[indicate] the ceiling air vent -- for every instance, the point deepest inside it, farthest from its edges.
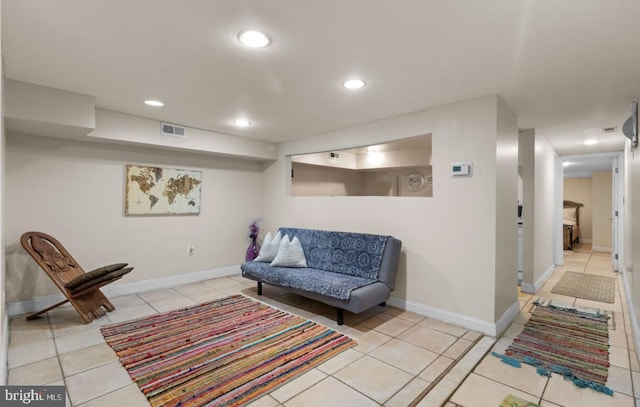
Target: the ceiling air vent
(609, 129)
(173, 130)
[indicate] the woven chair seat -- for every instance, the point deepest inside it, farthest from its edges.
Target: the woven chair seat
(97, 273)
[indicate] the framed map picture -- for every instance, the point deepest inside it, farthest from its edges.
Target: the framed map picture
(162, 191)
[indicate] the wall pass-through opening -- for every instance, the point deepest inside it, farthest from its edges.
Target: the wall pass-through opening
(397, 168)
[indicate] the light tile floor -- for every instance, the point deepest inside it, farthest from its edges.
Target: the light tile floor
(492, 380)
(399, 354)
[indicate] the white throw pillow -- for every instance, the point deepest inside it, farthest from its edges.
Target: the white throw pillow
(269, 248)
(290, 254)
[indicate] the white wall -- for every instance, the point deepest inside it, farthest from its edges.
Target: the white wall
(506, 209)
(316, 180)
(4, 334)
(545, 219)
(448, 265)
(526, 157)
(39, 110)
(538, 160)
(346, 160)
(74, 191)
(602, 193)
(631, 218)
(394, 159)
(114, 127)
(35, 109)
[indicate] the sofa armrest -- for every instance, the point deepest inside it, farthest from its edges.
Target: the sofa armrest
(389, 264)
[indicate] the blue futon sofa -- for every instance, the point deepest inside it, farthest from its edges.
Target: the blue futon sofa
(351, 271)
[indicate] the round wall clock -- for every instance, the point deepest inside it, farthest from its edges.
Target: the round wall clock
(415, 181)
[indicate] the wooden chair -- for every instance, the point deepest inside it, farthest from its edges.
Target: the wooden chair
(81, 289)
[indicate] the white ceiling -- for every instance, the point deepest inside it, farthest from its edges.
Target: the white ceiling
(583, 166)
(567, 68)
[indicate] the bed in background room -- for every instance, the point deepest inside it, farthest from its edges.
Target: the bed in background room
(570, 224)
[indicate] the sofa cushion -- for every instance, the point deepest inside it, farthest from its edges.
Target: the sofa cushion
(290, 254)
(323, 282)
(354, 254)
(269, 248)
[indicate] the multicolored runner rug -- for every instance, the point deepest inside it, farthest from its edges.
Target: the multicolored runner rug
(225, 352)
(559, 338)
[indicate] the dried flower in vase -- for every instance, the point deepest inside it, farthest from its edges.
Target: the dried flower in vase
(254, 247)
(254, 228)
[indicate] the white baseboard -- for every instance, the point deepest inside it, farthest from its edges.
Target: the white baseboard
(600, 249)
(533, 288)
(4, 365)
(506, 318)
(632, 315)
(465, 321)
(119, 289)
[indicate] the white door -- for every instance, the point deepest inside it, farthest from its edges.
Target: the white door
(614, 214)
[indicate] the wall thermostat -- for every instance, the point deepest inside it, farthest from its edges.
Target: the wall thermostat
(461, 169)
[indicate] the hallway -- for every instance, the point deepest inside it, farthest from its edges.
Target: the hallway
(492, 380)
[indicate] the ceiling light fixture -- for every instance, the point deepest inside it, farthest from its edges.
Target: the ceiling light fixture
(154, 103)
(253, 39)
(242, 123)
(354, 84)
(590, 142)
(567, 163)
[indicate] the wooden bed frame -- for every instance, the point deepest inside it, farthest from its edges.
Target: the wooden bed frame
(571, 234)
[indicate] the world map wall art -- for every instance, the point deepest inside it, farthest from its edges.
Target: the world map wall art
(162, 191)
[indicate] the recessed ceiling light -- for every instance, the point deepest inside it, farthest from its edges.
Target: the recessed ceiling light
(354, 84)
(590, 142)
(242, 122)
(154, 103)
(253, 39)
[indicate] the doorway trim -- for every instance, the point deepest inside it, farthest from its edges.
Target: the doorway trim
(617, 196)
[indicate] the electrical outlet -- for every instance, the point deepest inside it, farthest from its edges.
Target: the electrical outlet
(191, 249)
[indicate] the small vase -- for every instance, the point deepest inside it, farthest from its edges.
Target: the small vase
(253, 249)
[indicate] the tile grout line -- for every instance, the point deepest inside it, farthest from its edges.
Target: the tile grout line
(64, 376)
(442, 374)
(102, 395)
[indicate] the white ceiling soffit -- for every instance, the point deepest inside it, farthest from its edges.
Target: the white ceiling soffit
(568, 64)
(583, 166)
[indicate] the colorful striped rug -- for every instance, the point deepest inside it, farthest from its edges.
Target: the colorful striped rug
(560, 338)
(225, 352)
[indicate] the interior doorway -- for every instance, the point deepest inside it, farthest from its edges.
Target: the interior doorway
(594, 182)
